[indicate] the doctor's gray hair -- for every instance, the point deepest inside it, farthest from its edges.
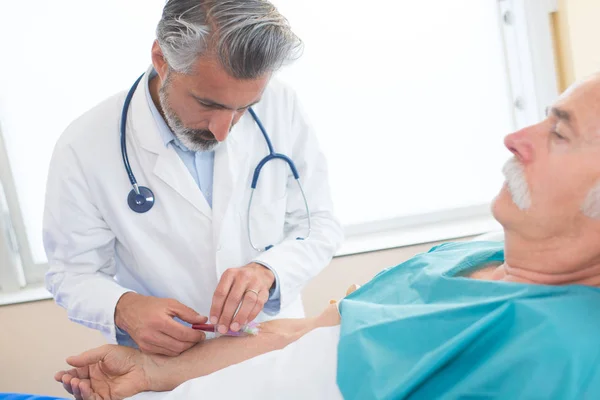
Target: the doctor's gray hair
(248, 37)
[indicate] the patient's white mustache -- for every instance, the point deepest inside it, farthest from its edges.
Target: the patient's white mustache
(517, 184)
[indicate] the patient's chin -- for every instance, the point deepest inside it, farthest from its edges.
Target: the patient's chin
(501, 196)
(503, 206)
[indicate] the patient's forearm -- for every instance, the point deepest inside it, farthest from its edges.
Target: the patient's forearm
(213, 355)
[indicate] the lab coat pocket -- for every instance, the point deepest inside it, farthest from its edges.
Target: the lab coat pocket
(266, 222)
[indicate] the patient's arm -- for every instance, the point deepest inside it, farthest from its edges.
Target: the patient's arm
(116, 372)
(213, 355)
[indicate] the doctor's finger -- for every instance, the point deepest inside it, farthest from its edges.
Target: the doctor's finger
(186, 314)
(183, 333)
(220, 296)
(177, 346)
(231, 305)
(248, 304)
(153, 348)
(263, 297)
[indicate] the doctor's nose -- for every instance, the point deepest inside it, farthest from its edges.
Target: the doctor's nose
(221, 123)
(519, 143)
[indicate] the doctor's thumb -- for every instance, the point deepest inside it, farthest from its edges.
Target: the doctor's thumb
(188, 315)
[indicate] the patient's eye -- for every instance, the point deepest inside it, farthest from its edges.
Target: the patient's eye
(555, 132)
(558, 135)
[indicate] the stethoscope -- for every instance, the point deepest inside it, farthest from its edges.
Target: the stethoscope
(141, 199)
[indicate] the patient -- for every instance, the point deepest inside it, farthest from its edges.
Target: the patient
(474, 319)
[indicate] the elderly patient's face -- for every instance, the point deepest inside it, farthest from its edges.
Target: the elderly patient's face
(556, 166)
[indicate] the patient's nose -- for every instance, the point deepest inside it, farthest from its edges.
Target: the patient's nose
(519, 144)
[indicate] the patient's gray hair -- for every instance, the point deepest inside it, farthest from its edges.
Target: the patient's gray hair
(248, 37)
(591, 205)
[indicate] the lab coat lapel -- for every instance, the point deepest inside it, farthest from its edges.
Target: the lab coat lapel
(231, 166)
(173, 172)
(168, 165)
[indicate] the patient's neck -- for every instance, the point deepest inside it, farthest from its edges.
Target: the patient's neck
(549, 261)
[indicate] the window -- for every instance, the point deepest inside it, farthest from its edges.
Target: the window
(410, 99)
(412, 105)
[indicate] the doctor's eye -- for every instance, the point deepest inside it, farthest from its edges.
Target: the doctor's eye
(208, 106)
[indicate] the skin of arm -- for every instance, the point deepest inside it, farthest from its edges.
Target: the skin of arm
(225, 351)
(117, 372)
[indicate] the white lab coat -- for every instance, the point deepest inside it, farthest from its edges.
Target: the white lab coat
(98, 248)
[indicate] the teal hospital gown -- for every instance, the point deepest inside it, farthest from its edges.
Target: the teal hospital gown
(422, 331)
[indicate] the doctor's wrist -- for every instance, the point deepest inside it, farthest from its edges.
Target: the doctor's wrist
(120, 310)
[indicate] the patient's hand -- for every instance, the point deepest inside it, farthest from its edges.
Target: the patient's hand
(107, 372)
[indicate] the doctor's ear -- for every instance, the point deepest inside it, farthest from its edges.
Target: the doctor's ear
(159, 61)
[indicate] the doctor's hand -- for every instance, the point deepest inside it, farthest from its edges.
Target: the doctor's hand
(149, 321)
(245, 287)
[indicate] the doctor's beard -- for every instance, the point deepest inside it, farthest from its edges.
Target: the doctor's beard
(517, 184)
(193, 139)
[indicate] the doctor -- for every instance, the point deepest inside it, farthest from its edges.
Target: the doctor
(150, 217)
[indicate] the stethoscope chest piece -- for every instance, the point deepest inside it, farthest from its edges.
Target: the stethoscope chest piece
(141, 202)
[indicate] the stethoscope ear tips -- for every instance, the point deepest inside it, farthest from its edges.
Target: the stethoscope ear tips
(142, 202)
